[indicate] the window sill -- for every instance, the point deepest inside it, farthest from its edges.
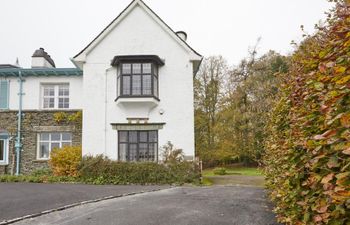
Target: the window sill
(41, 160)
(150, 100)
(4, 163)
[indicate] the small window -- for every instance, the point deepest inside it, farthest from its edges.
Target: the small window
(55, 96)
(3, 151)
(49, 141)
(4, 94)
(138, 145)
(138, 80)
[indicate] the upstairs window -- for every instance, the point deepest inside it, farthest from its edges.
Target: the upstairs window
(4, 94)
(138, 80)
(55, 96)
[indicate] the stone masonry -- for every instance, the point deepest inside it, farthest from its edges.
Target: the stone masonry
(35, 122)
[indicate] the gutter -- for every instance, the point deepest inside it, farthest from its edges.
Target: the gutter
(18, 144)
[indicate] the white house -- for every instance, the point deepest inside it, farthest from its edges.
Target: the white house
(133, 84)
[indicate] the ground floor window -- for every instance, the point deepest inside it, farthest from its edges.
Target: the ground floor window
(138, 145)
(3, 151)
(49, 141)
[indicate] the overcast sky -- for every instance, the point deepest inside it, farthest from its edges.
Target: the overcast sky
(214, 27)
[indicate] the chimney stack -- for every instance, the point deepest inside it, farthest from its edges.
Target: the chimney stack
(40, 59)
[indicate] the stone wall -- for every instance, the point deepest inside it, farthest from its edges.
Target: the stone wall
(33, 123)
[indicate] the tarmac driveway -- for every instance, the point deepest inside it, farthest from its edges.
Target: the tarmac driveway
(221, 205)
(21, 199)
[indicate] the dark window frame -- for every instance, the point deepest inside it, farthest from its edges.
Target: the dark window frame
(154, 75)
(128, 143)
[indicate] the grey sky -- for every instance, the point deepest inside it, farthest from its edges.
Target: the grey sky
(225, 27)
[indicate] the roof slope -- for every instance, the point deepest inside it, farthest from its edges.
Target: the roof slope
(80, 57)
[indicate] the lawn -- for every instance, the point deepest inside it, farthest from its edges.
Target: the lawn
(247, 171)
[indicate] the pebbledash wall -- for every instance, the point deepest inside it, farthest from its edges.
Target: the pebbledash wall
(34, 122)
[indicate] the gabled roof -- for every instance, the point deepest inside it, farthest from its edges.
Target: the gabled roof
(80, 57)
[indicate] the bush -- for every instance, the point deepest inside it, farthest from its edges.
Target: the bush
(101, 170)
(307, 152)
(171, 154)
(65, 161)
(220, 171)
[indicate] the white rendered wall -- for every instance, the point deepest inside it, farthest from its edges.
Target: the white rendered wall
(40, 62)
(137, 34)
(31, 87)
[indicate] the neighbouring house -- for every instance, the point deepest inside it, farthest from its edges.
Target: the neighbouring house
(133, 86)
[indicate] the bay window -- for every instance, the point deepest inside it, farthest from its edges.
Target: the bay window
(138, 80)
(137, 75)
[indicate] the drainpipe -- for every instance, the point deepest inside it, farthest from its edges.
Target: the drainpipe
(18, 144)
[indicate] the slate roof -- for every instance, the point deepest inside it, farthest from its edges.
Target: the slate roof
(41, 53)
(14, 72)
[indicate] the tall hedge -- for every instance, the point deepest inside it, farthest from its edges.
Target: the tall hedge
(308, 150)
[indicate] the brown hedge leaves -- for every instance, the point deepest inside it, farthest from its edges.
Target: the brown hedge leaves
(308, 150)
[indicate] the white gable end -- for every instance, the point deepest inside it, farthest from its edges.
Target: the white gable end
(141, 20)
(137, 32)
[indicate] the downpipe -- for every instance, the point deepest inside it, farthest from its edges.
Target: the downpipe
(18, 143)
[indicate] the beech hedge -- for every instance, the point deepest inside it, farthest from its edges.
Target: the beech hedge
(308, 150)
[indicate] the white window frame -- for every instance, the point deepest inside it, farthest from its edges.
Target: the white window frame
(6, 151)
(50, 141)
(56, 97)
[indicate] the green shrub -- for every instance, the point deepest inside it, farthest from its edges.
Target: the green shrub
(220, 171)
(65, 161)
(101, 170)
(42, 172)
(307, 152)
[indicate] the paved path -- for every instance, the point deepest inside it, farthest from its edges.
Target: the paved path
(216, 205)
(20, 199)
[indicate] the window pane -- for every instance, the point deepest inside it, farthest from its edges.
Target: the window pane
(153, 137)
(147, 68)
(55, 145)
(63, 103)
(152, 152)
(2, 150)
(123, 136)
(136, 85)
(133, 152)
(136, 68)
(143, 152)
(155, 86)
(49, 90)
(147, 84)
(123, 151)
(44, 150)
(49, 103)
(66, 136)
(143, 136)
(55, 137)
(132, 136)
(44, 137)
(126, 68)
(63, 90)
(126, 85)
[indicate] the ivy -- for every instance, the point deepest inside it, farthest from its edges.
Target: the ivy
(308, 148)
